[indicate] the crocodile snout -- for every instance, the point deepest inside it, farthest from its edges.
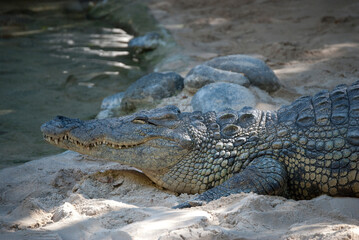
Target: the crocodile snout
(60, 125)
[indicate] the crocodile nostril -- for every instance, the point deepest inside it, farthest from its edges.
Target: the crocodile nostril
(61, 121)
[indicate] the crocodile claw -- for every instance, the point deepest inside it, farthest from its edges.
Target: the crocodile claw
(189, 204)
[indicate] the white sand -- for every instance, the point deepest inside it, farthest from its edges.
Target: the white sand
(72, 197)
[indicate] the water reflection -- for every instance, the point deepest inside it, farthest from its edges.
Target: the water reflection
(100, 52)
(56, 64)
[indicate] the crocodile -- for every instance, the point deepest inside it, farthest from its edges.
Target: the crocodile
(301, 151)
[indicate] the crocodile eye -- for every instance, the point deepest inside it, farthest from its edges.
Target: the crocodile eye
(138, 121)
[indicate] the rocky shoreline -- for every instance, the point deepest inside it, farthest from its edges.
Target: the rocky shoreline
(215, 85)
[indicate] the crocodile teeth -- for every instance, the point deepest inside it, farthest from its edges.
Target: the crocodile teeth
(89, 145)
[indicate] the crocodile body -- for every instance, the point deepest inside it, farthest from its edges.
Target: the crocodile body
(301, 151)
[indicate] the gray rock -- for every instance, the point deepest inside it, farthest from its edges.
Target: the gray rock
(110, 105)
(113, 101)
(221, 96)
(202, 75)
(149, 41)
(106, 113)
(150, 89)
(239, 69)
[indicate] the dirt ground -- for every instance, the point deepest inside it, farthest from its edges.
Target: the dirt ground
(309, 45)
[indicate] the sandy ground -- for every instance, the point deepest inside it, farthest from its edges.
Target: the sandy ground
(70, 196)
(311, 45)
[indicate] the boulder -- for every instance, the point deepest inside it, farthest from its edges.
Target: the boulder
(110, 105)
(147, 91)
(202, 75)
(239, 69)
(149, 41)
(221, 96)
(113, 101)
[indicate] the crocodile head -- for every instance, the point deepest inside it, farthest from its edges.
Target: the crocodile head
(151, 141)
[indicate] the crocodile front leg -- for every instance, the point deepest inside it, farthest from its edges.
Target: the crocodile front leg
(263, 176)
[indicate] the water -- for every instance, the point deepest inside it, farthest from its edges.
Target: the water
(54, 63)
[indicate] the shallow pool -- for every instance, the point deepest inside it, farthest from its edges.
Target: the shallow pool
(55, 61)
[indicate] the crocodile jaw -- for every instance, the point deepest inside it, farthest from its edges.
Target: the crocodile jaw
(148, 147)
(150, 155)
(68, 142)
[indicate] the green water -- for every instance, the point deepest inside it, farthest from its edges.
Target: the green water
(54, 63)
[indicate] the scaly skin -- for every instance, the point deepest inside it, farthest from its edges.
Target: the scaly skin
(301, 151)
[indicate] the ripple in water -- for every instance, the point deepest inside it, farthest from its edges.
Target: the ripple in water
(55, 64)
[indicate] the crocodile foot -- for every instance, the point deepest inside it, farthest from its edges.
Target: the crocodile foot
(189, 204)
